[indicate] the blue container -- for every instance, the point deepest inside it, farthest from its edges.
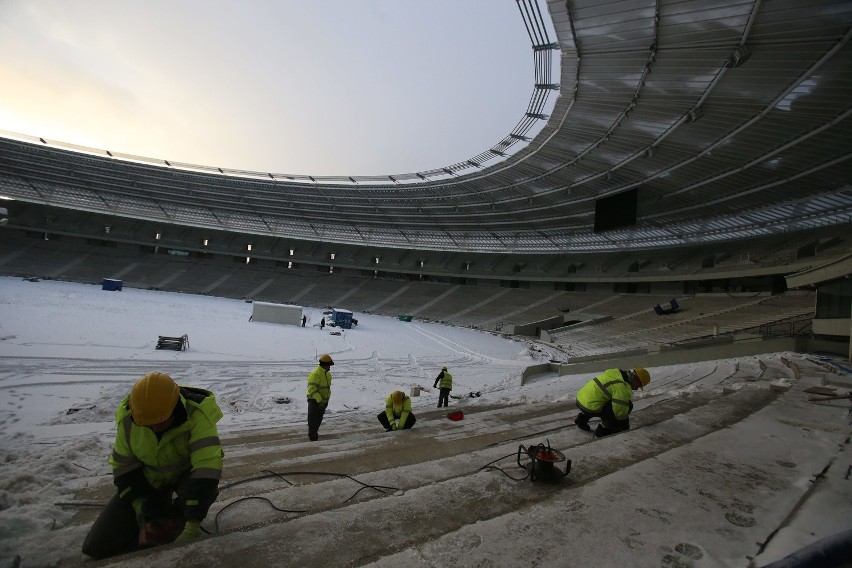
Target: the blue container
(110, 284)
(342, 318)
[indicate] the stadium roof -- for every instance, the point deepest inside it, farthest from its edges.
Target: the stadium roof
(730, 118)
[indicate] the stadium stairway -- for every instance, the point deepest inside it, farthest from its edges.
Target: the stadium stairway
(452, 494)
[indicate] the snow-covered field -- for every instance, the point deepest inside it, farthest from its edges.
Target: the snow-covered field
(70, 352)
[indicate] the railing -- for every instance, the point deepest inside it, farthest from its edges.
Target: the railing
(788, 327)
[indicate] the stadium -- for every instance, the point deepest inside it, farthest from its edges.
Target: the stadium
(675, 193)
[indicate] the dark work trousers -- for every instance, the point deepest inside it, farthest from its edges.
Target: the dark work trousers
(116, 529)
(409, 422)
(444, 398)
(315, 413)
(609, 423)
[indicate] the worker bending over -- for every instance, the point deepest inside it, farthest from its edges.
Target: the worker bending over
(397, 414)
(607, 396)
(166, 446)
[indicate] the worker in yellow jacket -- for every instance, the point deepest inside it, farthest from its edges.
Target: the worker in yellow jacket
(166, 445)
(319, 393)
(397, 414)
(607, 396)
(444, 382)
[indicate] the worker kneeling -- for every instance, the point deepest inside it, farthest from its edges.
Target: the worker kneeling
(607, 396)
(397, 414)
(166, 445)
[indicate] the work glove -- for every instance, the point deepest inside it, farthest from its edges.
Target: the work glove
(393, 426)
(191, 530)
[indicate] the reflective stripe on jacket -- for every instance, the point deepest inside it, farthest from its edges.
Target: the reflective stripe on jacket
(191, 447)
(445, 380)
(400, 411)
(319, 385)
(609, 386)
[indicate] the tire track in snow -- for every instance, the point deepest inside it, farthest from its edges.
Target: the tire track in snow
(469, 356)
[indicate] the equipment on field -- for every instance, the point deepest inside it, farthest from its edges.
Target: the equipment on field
(111, 284)
(174, 343)
(341, 318)
(456, 415)
(542, 462)
(670, 308)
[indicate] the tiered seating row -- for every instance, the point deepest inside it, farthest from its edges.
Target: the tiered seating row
(631, 322)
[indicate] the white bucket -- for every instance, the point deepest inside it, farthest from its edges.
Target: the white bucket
(415, 391)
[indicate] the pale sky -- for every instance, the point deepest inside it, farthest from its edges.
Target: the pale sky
(319, 87)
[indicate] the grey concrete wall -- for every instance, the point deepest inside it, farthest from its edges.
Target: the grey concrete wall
(670, 289)
(530, 328)
(743, 347)
(837, 326)
(537, 370)
(600, 287)
(587, 319)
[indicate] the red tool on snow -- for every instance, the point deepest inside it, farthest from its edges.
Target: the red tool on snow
(542, 462)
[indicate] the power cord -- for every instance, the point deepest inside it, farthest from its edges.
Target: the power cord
(490, 465)
(380, 488)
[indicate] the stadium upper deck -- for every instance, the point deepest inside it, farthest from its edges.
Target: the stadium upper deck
(730, 119)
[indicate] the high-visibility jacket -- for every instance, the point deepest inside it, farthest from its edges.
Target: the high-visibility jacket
(319, 385)
(444, 380)
(142, 463)
(610, 386)
(398, 411)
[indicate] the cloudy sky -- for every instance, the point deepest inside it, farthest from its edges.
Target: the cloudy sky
(327, 87)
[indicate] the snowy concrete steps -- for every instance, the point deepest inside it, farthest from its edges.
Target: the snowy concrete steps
(435, 497)
(493, 421)
(714, 505)
(354, 442)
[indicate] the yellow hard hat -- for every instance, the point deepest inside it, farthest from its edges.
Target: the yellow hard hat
(326, 358)
(397, 397)
(153, 398)
(643, 375)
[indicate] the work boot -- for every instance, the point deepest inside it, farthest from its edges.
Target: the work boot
(582, 422)
(600, 431)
